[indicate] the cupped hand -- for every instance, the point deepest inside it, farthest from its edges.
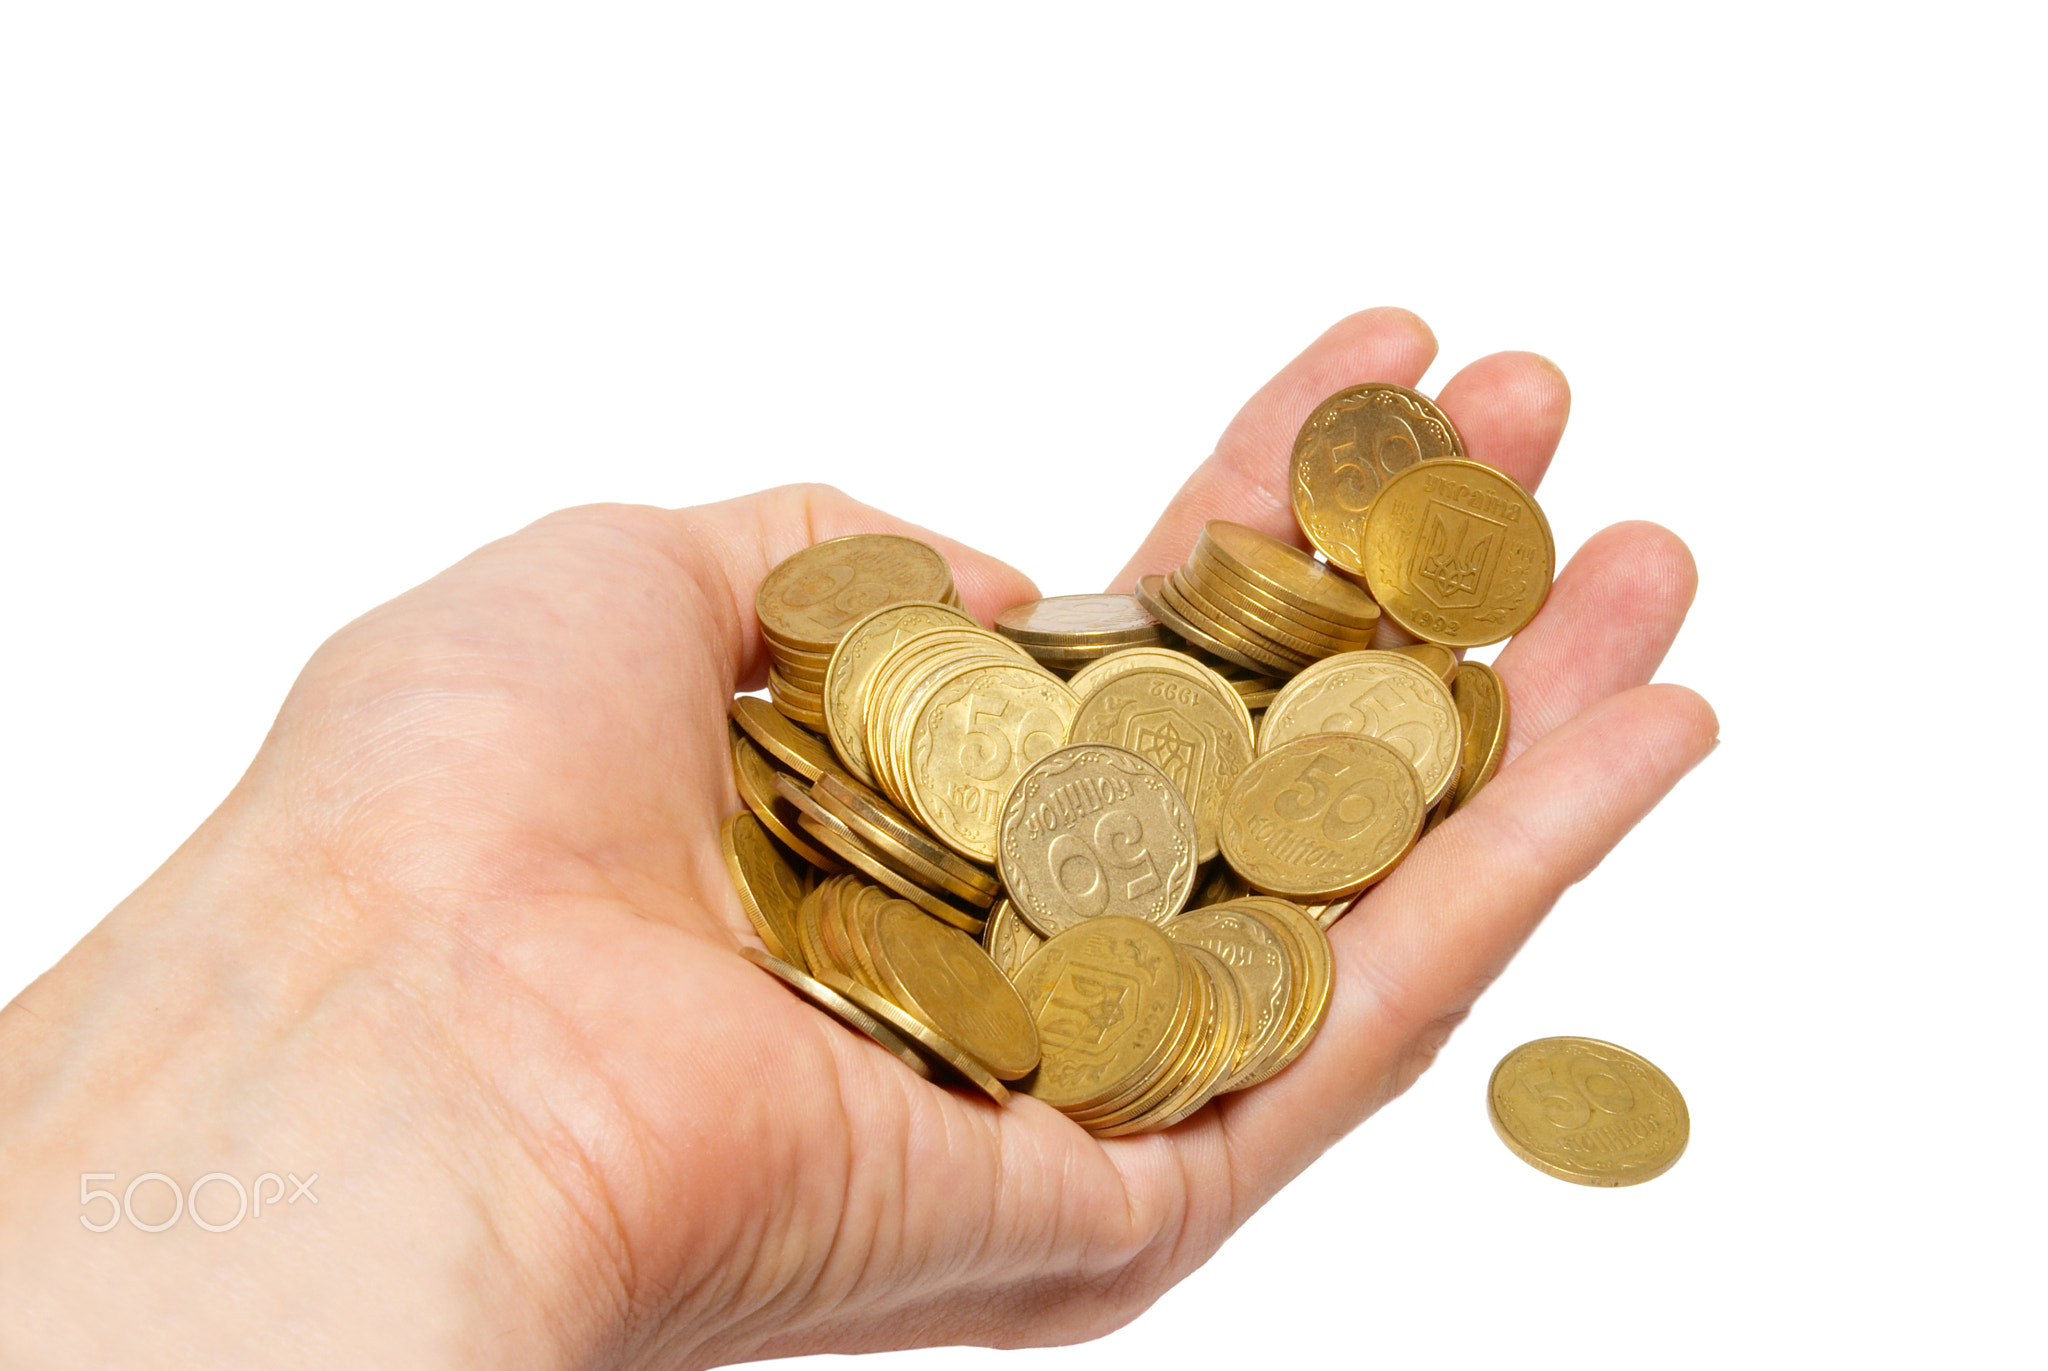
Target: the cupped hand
(491, 914)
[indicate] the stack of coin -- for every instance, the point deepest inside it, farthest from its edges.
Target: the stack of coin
(793, 748)
(1452, 734)
(869, 834)
(861, 650)
(1141, 1024)
(770, 885)
(1254, 688)
(809, 600)
(926, 992)
(948, 720)
(755, 776)
(1066, 632)
(1482, 700)
(1385, 695)
(1266, 605)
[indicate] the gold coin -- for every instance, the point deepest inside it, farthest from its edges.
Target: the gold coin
(1079, 621)
(1322, 816)
(1249, 604)
(879, 863)
(820, 824)
(1261, 960)
(770, 888)
(1186, 1039)
(839, 1007)
(811, 597)
(1587, 1111)
(1063, 662)
(1324, 915)
(831, 938)
(1247, 636)
(1435, 656)
(1247, 683)
(889, 831)
(1379, 695)
(1181, 717)
(795, 748)
(1205, 1068)
(858, 915)
(849, 932)
(1194, 1046)
(1191, 1039)
(754, 778)
(971, 739)
(1008, 940)
(1065, 659)
(1211, 1070)
(1104, 995)
(1093, 830)
(942, 976)
(866, 644)
(1315, 974)
(1482, 700)
(1260, 699)
(903, 680)
(1151, 593)
(1254, 621)
(1217, 640)
(1283, 572)
(934, 1043)
(802, 661)
(1349, 449)
(809, 917)
(1457, 553)
(805, 672)
(901, 695)
(782, 686)
(794, 703)
(1097, 674)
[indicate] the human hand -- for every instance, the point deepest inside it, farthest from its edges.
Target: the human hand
(463, 935)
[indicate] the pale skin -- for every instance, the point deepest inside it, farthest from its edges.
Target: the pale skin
(462, 942)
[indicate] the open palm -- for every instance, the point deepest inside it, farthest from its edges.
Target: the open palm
(520, 770)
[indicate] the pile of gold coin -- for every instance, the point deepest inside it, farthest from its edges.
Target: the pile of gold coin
(1148, 809)
(809, 600)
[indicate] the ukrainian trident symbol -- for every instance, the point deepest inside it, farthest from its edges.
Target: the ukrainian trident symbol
(1455, 556)
(1086, 1006)
(1158, 739)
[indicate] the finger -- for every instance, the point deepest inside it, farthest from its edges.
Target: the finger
(1510, 408)
(1417, 952)
(1245, 479)
(1610, 618)
(747, 537)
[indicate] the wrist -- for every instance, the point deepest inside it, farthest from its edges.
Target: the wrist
(244, 1018)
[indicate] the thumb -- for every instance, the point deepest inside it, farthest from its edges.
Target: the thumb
(741, 540)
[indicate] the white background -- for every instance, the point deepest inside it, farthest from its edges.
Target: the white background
(297, 307)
